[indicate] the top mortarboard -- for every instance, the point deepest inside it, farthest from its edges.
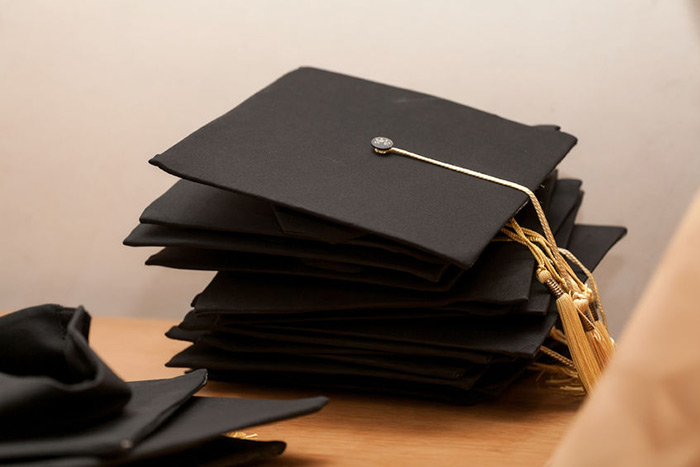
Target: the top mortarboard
(303, 142)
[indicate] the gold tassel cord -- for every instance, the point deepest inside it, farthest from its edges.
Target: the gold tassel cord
(559, 261)
(558, 336)
(559, 357)
(579, 306)
(560, 378)
(604, 344)
(582, 352)
(594, 287)
(240, 435)
(580, 297)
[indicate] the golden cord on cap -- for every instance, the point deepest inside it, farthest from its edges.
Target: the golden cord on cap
(579, 306)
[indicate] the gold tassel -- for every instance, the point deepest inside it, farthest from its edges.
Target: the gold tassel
(596, 340)
(240, 435)
(559, 377)
(603, 344)
(581, 351)
(579, 306)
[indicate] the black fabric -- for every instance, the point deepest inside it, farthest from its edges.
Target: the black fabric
(61, 405)
(226, 346)
(593, 234)
(218, 260)
(50, 379)
(151, 403)
(339, 267)
(248, 294)
(491, 382)
(331, 315)
(296, 224)
(313, 125)
(503, 276)
(513, 335)
(156, 235)
(239, 347)
(500, 261)
(193, 205)
(196, 320)
(200, 355)
(332, 344)
(206, 258)
(204, 419)
(189, 205)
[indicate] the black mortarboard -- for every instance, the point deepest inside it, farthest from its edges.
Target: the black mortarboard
(302, 143)
(61, 405)
(346, 266)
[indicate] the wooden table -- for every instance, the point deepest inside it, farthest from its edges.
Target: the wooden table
(522, 427)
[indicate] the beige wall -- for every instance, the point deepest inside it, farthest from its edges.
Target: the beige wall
(89, 90)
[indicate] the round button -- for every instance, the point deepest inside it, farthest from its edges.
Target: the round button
(382, 143)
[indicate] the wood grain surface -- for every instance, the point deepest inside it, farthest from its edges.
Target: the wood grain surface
(522, 427)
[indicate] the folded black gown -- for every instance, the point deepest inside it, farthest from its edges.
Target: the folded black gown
(340, 267)
(61, 405)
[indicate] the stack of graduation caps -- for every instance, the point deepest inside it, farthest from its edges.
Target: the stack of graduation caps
(342, 268)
